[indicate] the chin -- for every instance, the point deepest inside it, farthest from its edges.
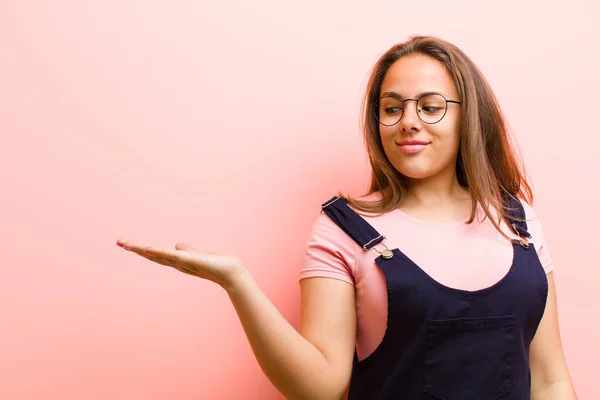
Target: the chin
(416, 175)
(416, 172)
(421, 168)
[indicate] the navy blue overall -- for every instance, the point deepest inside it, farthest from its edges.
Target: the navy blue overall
(446, 343)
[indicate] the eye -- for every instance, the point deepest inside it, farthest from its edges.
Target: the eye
(392, 110)
(432, 109)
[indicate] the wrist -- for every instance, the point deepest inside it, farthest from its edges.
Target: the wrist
(237, 280)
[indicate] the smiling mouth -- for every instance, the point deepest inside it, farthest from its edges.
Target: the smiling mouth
(412, 147)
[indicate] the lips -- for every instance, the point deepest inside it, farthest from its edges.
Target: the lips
(412, 146)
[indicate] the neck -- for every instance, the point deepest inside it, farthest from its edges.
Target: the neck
(437, 191)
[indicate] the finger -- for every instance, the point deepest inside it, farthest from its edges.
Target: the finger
(127, 245)
(179, 259)
(158, 257)
(170, 263)
(121, 242)
(182, 267)
(162, 252)
(185, 246)
(174, 258)
(140, 250)
(145, 249)
(136, 248)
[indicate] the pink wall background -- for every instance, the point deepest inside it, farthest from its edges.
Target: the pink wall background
(226, 124)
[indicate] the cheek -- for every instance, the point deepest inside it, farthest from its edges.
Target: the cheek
(385, 133)
(449, 141)
(387, 137)
(451, 130)
(447, 137)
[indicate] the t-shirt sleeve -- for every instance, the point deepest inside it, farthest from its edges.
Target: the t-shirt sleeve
(330, 252)
(534, 226)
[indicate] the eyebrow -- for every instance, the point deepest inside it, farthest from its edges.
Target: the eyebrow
(399, 97)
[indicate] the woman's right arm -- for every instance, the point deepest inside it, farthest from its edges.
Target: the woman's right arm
(314, 362)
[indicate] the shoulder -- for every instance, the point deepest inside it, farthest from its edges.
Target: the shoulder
(529, 211)
(531, 218)
(329, 252)
(327, 234)
(534, 225)
(535, 229)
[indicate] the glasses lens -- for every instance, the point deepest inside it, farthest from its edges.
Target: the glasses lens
(390, 111)
(432, 108)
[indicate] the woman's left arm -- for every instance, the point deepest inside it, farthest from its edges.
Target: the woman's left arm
(550, 378)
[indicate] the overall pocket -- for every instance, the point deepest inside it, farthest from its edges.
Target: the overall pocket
(469, 358)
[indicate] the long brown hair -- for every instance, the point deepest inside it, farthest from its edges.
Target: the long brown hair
(486, 163)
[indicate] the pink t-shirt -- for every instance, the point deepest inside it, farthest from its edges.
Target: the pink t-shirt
(458, 255)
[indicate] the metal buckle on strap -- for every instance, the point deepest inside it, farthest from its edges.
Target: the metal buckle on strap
(372, 240)
(331, 202)
(516, 230)
(521, 242)
(386, 253)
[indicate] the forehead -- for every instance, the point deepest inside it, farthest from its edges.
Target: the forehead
(415, 74)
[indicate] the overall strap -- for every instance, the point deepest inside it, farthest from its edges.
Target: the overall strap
(350, 222)
(515, 217)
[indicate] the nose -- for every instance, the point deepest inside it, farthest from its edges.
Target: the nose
(410, 120)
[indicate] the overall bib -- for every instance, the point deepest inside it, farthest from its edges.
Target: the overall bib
(445, 343)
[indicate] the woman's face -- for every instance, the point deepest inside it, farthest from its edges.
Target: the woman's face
(416, 149)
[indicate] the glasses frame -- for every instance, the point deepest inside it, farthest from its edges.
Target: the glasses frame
(376, 104)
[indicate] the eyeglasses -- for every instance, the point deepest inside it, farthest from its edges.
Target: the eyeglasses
(431, 108)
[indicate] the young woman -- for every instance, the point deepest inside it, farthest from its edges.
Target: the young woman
(437, 283)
